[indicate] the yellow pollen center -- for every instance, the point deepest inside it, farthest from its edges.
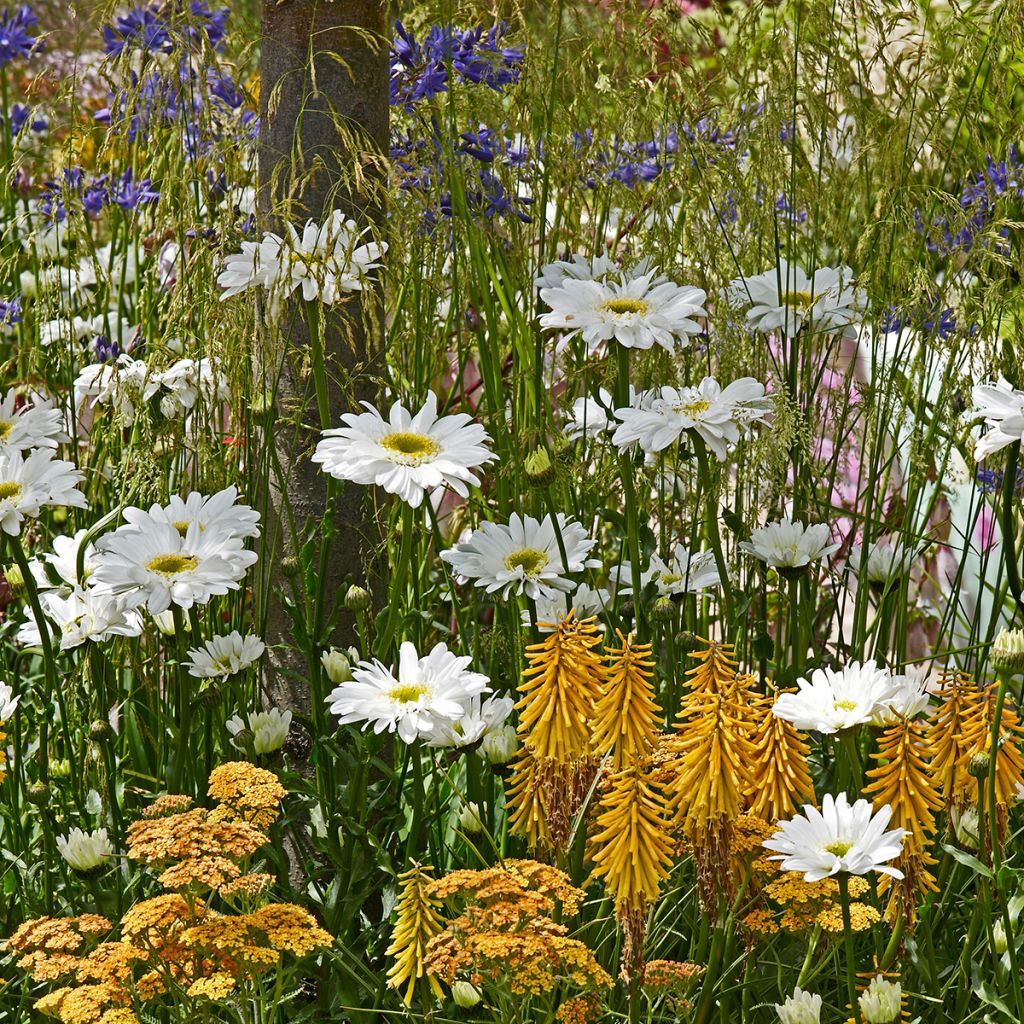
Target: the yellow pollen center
(410, 449)
(623, 307)
(171, 565)
(529, 560)
(6, 426)
(668, 578)
(408, 694)
(181, 526)
(844, 705)
(9, 489)
(694, 409)
(840, 848)
(799, 300)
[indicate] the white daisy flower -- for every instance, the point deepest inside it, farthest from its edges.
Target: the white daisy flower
(683, 574)
(125, 385)
(152, 564)
(637, 312)
(832, 701)
(8, 702)
(578, 268)
(882, 1001)
(269, 729)
(480, 718)
(522, 557)
(719, 416)
(186, 381)
(838, 838)
(585, 601)
(426, 691)
(800, 1008)
(85, 851)
(63, 559)
(30, 484)
(590, 417)
(789, 545)
(325, 261)
(910, 697)
(887, 560)
(1001, 407)
(408, 455)
(785, 298)
(31, 425)
(81, 616)
(223, 656)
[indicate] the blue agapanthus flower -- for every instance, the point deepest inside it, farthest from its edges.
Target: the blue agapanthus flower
(161, 27)
(129, 194)
(16, 39)
(10, 311)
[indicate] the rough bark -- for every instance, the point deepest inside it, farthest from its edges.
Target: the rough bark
(324, 109)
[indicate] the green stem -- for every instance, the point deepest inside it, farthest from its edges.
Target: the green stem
(712, 531)
(399, 576)
(851, 961)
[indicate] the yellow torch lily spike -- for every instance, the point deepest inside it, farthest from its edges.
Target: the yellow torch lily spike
(418, 922)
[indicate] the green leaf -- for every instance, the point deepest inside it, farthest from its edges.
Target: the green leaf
(968, 861)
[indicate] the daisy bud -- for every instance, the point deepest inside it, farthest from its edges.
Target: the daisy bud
(663, 610)
(881, 1003)
(977, 767)
(101, 730)
(15, 581)
(357, 599)
(466, 996)
(290, 566)
(800, 1008)
(966, 825)
(999, 943)
(469, 818)
(539, 468)
(38, 794)
(499, 745)
(337, 666)
(687, 642)
(1008, 651)
(85, 851)
(60, 769)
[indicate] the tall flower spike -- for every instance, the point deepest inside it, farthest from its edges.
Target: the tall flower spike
(780, 779)
(717, 670)
(626, 716)
(904, 781)
(954, 732)
(527, 815)
(560, 689)
(1009, 762)
(418, 922)
(632, 854)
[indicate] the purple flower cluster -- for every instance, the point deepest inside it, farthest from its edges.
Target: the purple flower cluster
(930, 319)
(22, 116)
(16, 39)
(991, 480)
(95, 194)
(475, 56)
(164, 27)
(10, 311)
(978, 201)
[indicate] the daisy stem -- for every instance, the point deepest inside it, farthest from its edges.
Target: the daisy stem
(713, 534)
(629, 493)
(184, 710)
(1008, 524)
(851, 962)
(399, 575)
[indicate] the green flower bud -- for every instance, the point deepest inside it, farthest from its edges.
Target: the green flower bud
(38, 793)
(15, 580)
(358, 599)
(540, 470)
(466, 996)
(1008, 651)
(337, 665)
(977, 767)
(663, 610)
(100, 730)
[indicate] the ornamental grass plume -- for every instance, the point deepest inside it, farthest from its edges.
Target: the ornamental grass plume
(904, 780)
(626, 716)
(418, 922)
(780, 780)
(631, 850)
(955, 729)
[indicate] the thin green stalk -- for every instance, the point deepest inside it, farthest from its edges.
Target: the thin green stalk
(851, 961)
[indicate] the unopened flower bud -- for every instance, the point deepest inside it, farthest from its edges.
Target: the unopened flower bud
(59, 515)
(663, 609)
(540, 470)
(499, 745)
(15, 580)
(38, 793)
(357, 599)
(290, 566)
(977, 767)
(687, 641)
(85, 852)
(1008, 651)
(466, 996)
(101, 730)
(60, 769)
(469, 818)
(999, 943)
(337, 665)
(881, 1003)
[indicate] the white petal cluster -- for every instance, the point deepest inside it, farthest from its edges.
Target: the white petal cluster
(787, 544)
(8, 702)
(1000, 406)
(684, 573)
(800, 1008)
(784, 298)
(720, 416)
(481, 717)
(831, 701)
(269, 729)
(887, 560)
(407, 454)
(224, 656)
(838, 838)
(585, 601)
(426, 695)
(882, 1001)
(33, 482)
(25, 425)
(523, 557)
(85, 851)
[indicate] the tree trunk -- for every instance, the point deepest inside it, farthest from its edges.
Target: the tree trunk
(324, 129)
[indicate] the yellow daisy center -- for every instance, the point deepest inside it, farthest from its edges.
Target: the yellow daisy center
(530, 560)
(840, 848)
(694, 409)
(624, 306)
(845, 705)
(410, 449)
(181, 526)
(9, 489)
(6, 426)
(408, 694)
(668, 578)
(799, 300)
(172, 565)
